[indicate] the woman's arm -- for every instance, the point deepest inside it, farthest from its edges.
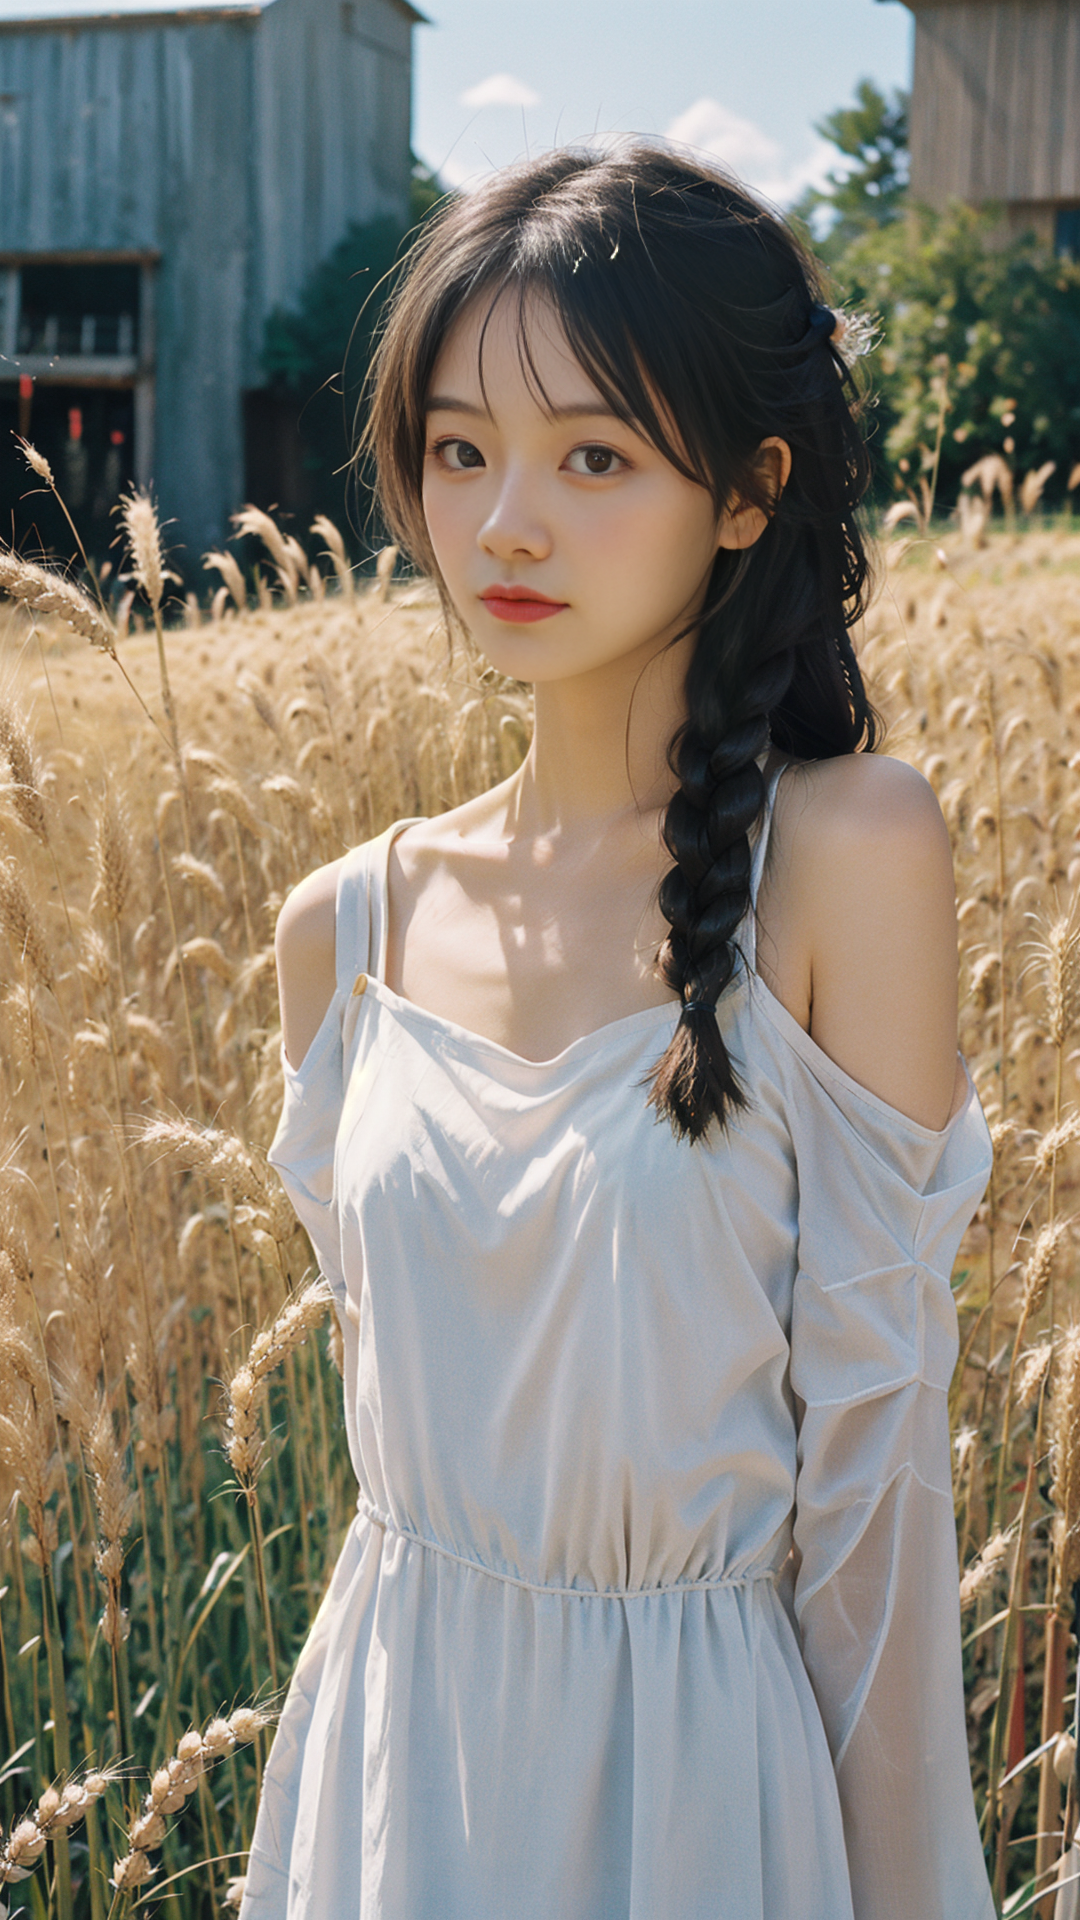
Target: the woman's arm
(868, 901)
(304, 950)
(874, 1343)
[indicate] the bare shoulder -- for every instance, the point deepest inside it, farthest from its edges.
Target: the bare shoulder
(858, 838)
(864, 868)
(859, 798)
(304, 942)
(863, 835)
(304, 950)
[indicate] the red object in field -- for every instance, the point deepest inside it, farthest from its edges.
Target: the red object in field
(74, 423)
(26, 386)
(116, 437)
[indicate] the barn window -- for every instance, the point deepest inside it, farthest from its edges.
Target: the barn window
(79, 310)
(1067, 232)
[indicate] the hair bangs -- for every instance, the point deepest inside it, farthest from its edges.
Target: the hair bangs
(590, 311)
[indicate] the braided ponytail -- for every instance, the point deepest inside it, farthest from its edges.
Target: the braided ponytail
(742, 697)
(705, 895)
(698, 317)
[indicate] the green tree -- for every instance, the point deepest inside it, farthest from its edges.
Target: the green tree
(871, 190)
(316, 355)
(327, 335)
(969, 320)
(992, 325)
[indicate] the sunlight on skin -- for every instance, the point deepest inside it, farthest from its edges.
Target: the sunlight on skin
(604, 525)
(529, 914)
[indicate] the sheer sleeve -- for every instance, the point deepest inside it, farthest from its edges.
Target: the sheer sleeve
(304, 1147)
(305, 1143)
(883, 1205)
(302, 1150)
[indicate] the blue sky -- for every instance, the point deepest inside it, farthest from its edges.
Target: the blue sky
(743, 79)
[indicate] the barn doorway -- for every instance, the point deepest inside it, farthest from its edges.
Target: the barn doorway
(87, 434)
(76, 332)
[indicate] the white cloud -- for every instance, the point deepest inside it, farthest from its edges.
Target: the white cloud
(753, 155)
(711, 128)
(500, 90)
(810, 172)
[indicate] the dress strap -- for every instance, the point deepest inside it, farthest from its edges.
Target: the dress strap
(757, 866)
(361, 925)
(352, 918)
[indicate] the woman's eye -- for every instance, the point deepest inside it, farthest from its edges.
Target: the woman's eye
(459, 455)
(599, 460)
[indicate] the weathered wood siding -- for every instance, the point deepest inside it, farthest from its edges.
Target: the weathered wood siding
(332, 133)
(236, 148)
(138, 136)
(996, 101)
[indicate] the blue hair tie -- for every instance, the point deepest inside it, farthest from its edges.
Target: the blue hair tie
(699, 1006)
(823, 323)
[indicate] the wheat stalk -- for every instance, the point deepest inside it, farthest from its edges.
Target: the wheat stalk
(1064, 1434)
(223, 1157)
(112, 858)
(59, 1809)
(986, 1564)
(17, 748)
(335, 546)
(140, 522)
(114, 1504)
(146, 558)
(20, 923)
(173, 1784)
(247, 1388)
(45, 592)
(227, 565)
(290, 560)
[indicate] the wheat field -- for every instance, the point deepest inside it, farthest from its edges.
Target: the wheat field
(172, 1467)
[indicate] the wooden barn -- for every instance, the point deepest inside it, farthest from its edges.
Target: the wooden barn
(170, 172)
(995, 111)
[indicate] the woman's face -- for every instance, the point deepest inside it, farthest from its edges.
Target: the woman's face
(577, 508)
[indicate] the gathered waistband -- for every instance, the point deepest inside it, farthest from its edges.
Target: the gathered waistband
(383, 1521)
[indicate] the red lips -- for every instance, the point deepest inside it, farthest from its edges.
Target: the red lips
(519, 604)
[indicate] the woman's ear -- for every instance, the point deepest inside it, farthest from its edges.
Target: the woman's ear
(739, 527)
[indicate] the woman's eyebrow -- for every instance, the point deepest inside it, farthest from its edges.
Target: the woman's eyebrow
(581, 409)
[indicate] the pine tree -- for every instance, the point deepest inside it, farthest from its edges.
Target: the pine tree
(871, 191)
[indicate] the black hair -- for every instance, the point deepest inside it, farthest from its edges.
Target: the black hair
(683, 299)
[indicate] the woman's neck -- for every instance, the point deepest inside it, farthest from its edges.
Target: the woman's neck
(600, 745)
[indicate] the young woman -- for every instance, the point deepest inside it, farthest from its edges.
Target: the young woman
(624, 1110)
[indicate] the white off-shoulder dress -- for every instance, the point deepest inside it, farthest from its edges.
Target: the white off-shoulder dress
(650, 1607)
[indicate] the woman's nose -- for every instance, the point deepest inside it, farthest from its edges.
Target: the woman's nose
(514, 524)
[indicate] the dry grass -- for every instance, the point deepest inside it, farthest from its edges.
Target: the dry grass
(171, 1430)
(973, 651)
(170, 1538)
